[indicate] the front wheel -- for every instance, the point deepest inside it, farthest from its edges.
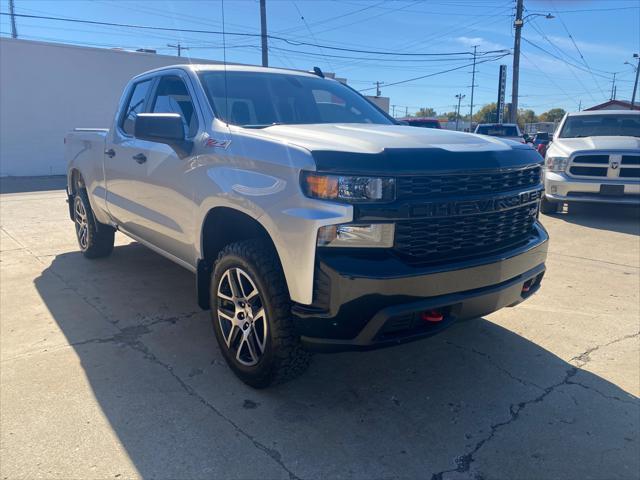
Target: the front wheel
(250, 309)
(95, 239)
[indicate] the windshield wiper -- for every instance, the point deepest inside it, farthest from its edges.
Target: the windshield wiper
(262, 125)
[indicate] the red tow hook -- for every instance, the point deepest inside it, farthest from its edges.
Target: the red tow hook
(527, 286)
(432, 316)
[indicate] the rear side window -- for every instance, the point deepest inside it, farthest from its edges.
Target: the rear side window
(172, 96)
(135, 105)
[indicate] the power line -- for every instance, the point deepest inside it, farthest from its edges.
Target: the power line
(537, 29)
(241, 34)
(436, 73)
(593, 10)
(562, 59)
(575, 45)
(178, 46)
(312, 35)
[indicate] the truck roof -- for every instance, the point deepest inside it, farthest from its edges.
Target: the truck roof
(232, 68)
(586, 113)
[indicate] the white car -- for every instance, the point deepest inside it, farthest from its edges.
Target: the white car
(507, 131)
(595, 157)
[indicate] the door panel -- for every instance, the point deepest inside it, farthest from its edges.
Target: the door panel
(151, 195)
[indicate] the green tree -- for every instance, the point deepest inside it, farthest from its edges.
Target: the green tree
(553, 115)
(526, 116)
(486, 114)
(425, 112)
(449, 116)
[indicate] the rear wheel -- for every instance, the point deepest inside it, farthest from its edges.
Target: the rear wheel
(549, 206)
(250, 308)
(95, 239)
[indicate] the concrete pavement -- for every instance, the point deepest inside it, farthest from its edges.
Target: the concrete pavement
(109, 370)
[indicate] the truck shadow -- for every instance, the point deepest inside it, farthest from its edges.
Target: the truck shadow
(616, 218)
(478, 399)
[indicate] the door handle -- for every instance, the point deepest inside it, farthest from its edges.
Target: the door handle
(140, 158)
(110, 153)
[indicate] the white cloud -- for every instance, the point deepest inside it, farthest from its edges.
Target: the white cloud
(565, 43)
(483, 44)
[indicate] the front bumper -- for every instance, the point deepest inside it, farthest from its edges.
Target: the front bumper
(563, 188)
(370, 302)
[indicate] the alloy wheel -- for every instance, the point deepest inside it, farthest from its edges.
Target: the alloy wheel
(241, 316)
(82, 224)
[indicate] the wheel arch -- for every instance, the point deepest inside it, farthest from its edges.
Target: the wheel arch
(213, 239)
(74, 183)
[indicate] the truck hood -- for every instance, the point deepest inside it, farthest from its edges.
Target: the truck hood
(568, 146)
(398, 149)
(358, 138)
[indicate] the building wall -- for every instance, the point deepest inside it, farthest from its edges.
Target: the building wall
(48, 89)
(381, 102)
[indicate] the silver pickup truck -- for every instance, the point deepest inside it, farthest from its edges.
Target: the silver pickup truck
(312, 221)
(594, 157)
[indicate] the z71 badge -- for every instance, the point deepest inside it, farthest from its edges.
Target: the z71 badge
(213, 143)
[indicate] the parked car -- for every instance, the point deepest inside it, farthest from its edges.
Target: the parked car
(509, 131)
(421, 122)
(540, 141)
(595, 157)
(310, 219)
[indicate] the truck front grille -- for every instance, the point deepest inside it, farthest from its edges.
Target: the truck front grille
(468, 184)
(606, 166)
(437, 240)
(589, 171)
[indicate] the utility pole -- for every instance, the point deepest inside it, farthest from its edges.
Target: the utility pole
(635, 85)
(580, 106)
(378, 91)
(459, 97)
(12, 12)
(473, 84)
(613, 87)
(513, 113)
(179, 47)
(263, 33)
(406, 111)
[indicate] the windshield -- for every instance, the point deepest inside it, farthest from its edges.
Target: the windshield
(257, 100)
(423, 124)
(498, 130)
(601, 126)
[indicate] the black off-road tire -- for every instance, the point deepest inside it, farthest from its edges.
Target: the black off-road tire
(95, 239)
(548, 206)
(284, 357)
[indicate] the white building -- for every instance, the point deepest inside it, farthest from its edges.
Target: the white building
(47, 89)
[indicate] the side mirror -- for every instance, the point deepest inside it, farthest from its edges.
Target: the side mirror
(166, 128)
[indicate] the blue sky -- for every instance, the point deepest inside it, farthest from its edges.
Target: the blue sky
(597, 36)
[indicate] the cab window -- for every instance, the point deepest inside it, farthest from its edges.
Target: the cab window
(135, 105)
(172, 96)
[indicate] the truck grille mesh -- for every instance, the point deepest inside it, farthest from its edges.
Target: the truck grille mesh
(443, 239)
(468, 184)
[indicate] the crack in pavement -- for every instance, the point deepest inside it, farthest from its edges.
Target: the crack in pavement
(495, 364)
(130, 336)
(463, 462)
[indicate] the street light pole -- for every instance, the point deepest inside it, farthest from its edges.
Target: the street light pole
(513, 113)
(518, 24)
(635, 85)
(263, 33)
(459, 97)
(473, 83)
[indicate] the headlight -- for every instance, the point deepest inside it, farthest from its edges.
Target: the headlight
(556, 164)
(348, 188)
(377, 235)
